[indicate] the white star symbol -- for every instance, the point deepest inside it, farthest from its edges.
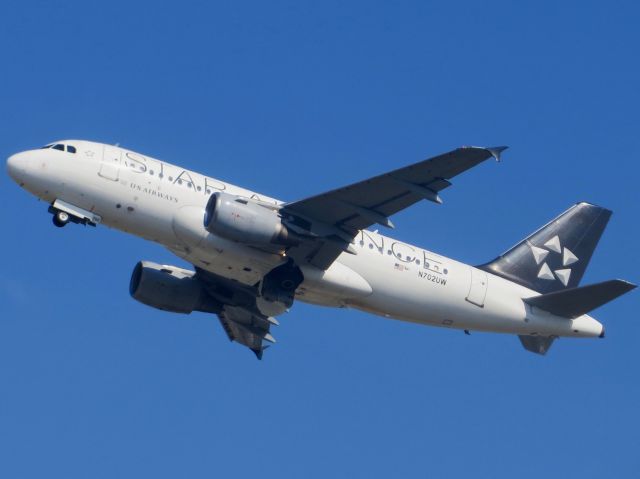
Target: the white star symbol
(540, 254)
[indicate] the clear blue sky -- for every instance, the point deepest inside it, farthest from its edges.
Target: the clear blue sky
(290, 99)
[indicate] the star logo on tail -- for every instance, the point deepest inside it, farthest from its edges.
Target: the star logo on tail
(540, 254)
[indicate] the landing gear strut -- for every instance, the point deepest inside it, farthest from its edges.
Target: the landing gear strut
(60, 218)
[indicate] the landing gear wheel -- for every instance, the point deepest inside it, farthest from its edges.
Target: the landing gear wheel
(60, 218)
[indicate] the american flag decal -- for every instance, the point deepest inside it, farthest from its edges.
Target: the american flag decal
(401, 267)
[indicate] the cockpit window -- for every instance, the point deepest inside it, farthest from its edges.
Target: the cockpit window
(61, 147)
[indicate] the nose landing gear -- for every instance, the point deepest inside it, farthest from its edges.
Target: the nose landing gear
(64, 213)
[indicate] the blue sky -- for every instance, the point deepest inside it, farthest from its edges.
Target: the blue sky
(290, 99)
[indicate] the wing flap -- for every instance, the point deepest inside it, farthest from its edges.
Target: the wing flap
(247, 328)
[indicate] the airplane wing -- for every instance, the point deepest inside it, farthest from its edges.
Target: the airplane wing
(360, 205)
(249, 328)
(238, 311)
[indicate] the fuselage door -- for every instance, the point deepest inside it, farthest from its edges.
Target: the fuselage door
(110, 164)
(478, 287)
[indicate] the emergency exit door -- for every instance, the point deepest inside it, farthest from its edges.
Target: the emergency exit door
(110, 164)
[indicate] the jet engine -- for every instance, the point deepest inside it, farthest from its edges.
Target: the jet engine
(246, 221)
(170, 288)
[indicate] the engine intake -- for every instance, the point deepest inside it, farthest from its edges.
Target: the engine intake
(169, 288)
(245, 221)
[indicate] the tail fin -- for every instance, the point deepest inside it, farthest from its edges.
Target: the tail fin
(556, 256)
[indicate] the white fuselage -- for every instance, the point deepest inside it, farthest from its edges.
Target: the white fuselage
(165, 203)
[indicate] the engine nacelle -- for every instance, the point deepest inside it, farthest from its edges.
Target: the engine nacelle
(245, 221)
(169, 288)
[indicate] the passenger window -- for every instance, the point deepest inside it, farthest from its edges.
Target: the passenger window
(71, 149)
(58, 147)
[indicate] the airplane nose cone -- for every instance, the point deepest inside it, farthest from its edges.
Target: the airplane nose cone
(15, 168)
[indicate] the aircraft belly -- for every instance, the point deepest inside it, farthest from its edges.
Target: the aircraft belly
(234, 262)
(335, 286)
(412, 293)
(218, 255)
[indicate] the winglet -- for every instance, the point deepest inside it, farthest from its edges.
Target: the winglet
(496, 151)
(258, 352)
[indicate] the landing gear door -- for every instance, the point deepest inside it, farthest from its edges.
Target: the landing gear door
(478, 287)
(110, 164)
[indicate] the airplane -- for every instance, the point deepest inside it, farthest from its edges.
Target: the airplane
(253, 255)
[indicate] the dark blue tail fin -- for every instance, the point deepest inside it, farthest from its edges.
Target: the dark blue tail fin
(556, 256)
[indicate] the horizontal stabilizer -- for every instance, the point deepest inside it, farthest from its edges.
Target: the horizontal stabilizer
(574, 302)
(537, 344)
